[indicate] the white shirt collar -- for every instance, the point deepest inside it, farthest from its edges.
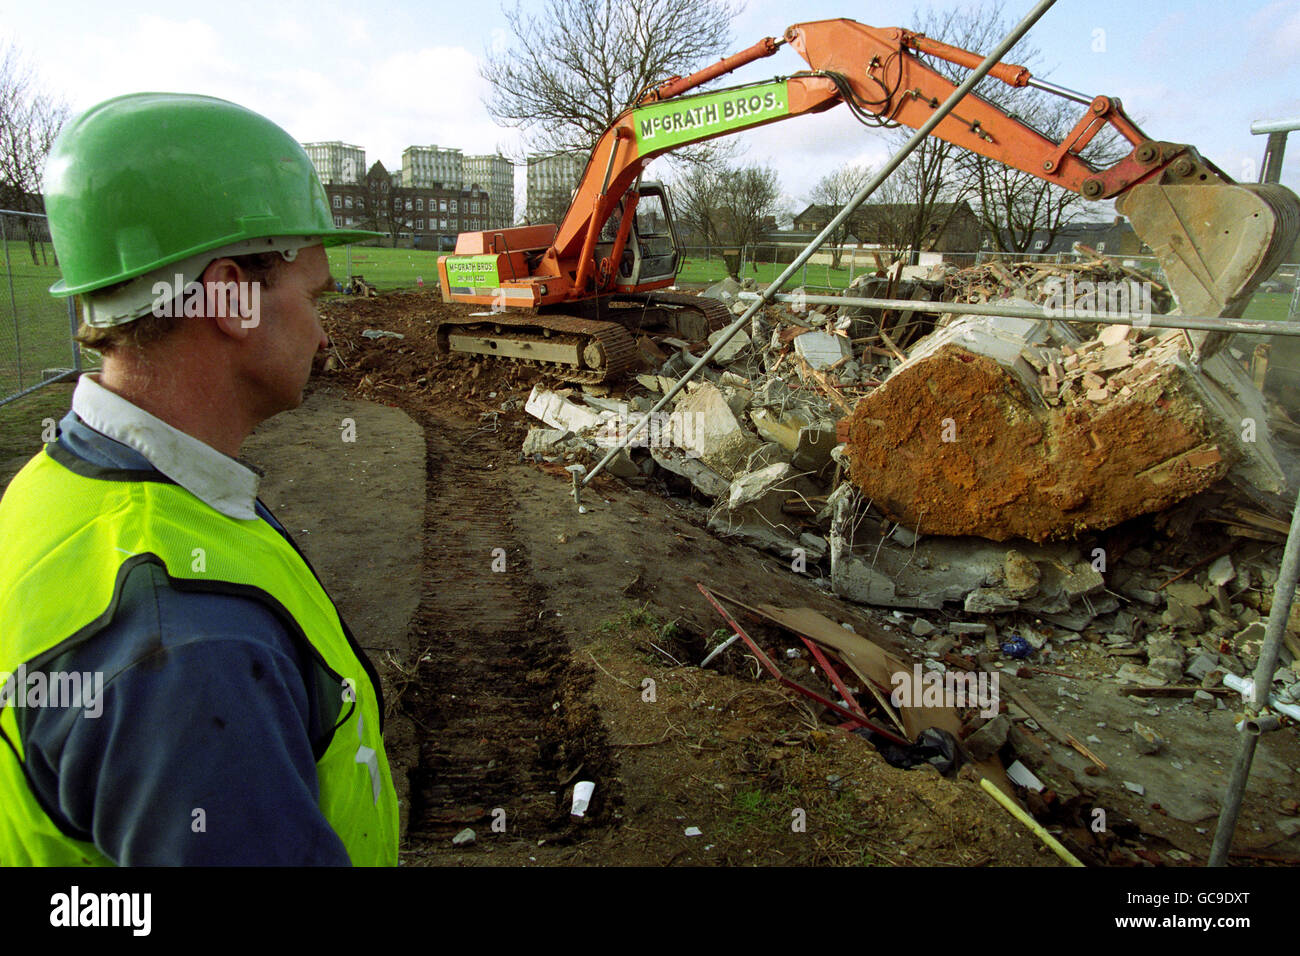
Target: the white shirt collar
(214, 478)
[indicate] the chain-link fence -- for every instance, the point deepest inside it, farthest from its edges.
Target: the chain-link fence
(36, 329)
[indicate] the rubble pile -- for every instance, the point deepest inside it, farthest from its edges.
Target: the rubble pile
(1038, 281)
(970, 475)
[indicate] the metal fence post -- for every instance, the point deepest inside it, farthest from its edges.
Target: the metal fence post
(36, 315)
(72, 324)
(13, 303)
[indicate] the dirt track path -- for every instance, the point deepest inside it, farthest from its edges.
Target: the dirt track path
(494, 746)
(476, 640)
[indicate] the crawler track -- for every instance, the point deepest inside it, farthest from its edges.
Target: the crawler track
(602, 336)
(489, 671)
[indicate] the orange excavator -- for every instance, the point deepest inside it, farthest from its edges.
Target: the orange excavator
(569, 298)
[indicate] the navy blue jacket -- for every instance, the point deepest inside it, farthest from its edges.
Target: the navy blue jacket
(212, 718)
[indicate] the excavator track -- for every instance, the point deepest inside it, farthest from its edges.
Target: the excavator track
(583, 349)
(571, 348)
(716, 315)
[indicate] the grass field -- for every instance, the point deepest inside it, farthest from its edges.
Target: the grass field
(1270, 306)
(40, 338)
(403, 268)
(387, 268)
(814, 276)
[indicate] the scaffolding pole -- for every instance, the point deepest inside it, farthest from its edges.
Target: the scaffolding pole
(1141, 319)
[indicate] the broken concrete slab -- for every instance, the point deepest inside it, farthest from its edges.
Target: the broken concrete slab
(1021, 576)
(773, 427)
(768, 453)
(704, 424)
(821, 349)
(1081, 615)
(734, 347)
(691, 468)
(1201, 666)
(988, 740)
(813, 449)
(559, 412)
(544, 441)
(1188, 592)
(760, 489)
(1131, 673)
(622, 465)
(724, 291)
(989, 601)
(936, 570)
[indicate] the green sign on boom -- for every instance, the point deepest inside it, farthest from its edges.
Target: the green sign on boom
(687, 119)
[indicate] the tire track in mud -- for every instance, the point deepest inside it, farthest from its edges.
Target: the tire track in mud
(501, 715)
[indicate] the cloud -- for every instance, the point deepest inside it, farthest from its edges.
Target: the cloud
(1274, 34)
(324, 84)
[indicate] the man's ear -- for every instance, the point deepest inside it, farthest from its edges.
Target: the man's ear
(225, 288)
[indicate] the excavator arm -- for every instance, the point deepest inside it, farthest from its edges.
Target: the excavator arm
(1216, 240)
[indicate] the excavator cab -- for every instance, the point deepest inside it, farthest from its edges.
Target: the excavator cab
(651, 254)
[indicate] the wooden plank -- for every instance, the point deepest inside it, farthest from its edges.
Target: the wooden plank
(1016, 693)
(831, 391)
(874, 664)
(894, 349)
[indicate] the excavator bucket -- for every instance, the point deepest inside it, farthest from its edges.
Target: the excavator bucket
(1216, 243)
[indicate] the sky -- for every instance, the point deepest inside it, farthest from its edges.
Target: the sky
(403, 72)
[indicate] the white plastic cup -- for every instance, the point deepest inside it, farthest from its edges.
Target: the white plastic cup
(582, 791)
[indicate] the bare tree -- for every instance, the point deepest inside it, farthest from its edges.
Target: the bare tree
(548, 205)
(697, 203)
(914, 207)
(572, 69)
(1012, 204)
(834, 190)
(1017, 207)
(748, 196)
(29, 122)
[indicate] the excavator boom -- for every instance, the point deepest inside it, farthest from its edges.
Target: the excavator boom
(1215, 239)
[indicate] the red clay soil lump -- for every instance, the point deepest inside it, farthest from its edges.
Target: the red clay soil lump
(951, 445)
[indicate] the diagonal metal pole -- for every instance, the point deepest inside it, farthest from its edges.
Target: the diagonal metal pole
(1288, 574)
(895, 161)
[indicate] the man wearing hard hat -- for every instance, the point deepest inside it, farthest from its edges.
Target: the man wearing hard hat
(178, 687)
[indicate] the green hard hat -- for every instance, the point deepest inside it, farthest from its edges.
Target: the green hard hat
(148, 179)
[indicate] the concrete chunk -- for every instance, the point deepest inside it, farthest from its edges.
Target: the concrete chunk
(957, 444)
(544, 441)
(774, 428)
(692, 469)
(559, 412)
(704, 424)
(820, 349)
(754, 487)
(731, 351)
(989, 601)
